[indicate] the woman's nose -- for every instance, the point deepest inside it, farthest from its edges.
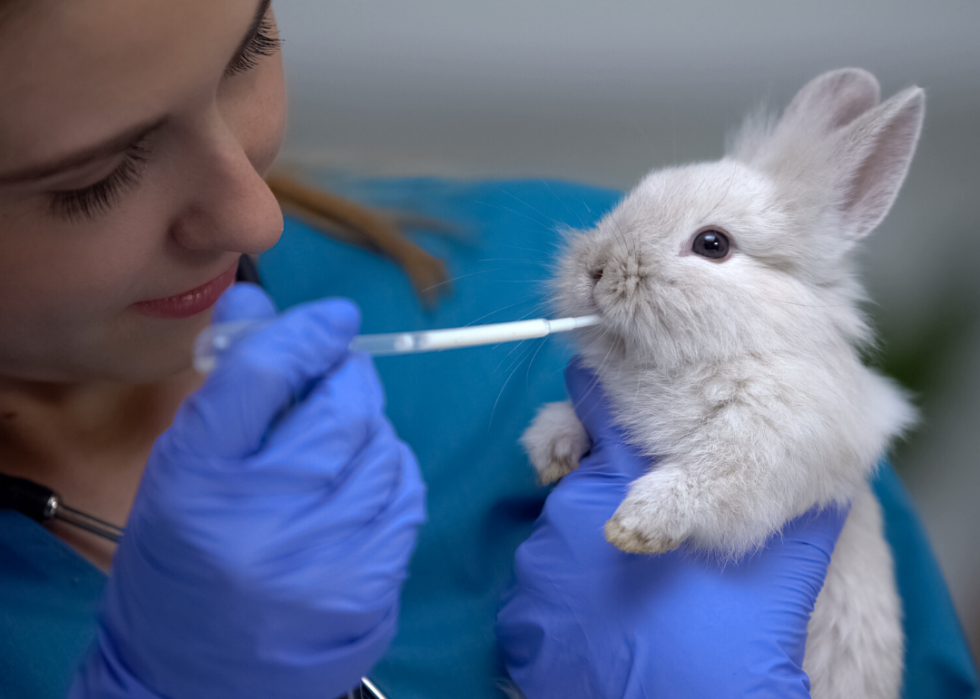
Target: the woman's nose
(231, 209)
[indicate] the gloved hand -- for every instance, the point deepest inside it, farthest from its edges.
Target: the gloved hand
(583, 619)
(270, 535)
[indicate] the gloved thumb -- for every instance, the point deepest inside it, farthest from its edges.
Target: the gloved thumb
(263, 373)
(620, 463)
(243, 301)
(589, 400)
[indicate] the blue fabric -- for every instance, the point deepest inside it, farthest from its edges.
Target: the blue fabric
(937, 659)
(49, 600)
(462, 412)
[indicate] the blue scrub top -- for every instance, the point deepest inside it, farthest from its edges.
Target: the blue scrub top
(462, 413)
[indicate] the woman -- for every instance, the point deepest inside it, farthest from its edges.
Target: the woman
(134, 140)
(276, 510)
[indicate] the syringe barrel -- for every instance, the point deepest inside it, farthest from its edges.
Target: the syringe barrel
(386, 343)
(217, 339)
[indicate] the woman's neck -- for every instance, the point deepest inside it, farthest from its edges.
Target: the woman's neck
(88, 442)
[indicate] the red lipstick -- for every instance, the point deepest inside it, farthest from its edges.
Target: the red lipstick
(188, 303)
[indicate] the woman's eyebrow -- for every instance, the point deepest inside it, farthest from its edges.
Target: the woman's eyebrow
(110, 147)
(253, 28)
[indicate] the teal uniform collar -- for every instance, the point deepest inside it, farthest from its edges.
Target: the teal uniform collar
(49, 603)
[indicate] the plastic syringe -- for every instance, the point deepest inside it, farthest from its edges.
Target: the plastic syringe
(216, 339)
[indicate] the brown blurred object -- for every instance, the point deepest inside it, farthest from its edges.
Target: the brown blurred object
(375, 230)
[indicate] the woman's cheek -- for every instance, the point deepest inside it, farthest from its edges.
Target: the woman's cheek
(255, 110)
(64, 288)
(62, 268)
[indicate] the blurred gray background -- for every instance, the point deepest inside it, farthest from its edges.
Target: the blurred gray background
(602, 92)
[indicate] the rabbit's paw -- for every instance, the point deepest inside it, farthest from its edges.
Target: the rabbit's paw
(649, 520)
(555, 441)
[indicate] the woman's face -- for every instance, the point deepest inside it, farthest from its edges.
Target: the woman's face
(133, 140)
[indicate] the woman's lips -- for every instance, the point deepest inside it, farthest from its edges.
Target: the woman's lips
(191, 302)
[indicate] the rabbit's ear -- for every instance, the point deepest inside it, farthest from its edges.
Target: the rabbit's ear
(871, 157)
(831, 101)
(825, 104)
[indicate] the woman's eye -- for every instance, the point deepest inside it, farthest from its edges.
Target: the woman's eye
(264, 42)
(712, 244)
(95, 200)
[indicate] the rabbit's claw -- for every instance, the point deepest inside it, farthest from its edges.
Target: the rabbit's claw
(635, 540)
(563, 459)
(555, 442)
(648, 520)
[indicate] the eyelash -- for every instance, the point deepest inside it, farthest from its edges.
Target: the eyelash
(98, 198)
(265, 42)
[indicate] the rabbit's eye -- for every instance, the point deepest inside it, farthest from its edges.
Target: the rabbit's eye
(712, 244)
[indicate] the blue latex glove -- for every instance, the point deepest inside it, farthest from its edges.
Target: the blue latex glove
(269, 539)
(583, 619)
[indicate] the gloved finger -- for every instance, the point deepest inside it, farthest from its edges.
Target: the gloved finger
(230, 415)
(373, 516)
(795, 560)
(820, 527)
(616, 456)
(355, 544)
(365, 518)
(337, 420)
(243, 301)
(589, 400)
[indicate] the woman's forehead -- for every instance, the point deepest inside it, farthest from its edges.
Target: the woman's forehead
(77, 72)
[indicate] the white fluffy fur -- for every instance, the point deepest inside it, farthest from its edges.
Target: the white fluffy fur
(555, 441)
(743, 377)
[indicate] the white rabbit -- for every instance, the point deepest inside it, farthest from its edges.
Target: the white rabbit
(730, 350)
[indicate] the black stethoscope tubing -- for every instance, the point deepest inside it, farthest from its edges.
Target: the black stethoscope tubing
(43, 505)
